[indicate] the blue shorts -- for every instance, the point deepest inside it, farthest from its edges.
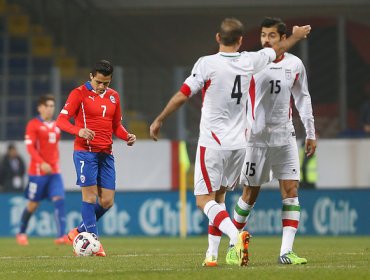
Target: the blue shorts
(47, 186)
(95, 169)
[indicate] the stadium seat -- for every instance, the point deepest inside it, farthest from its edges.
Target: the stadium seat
(2, 24)
(1, 65)
(18, 65)
(16, 107)
(40, 86)
(67, 86)
(2, 6)
(140, 128)
(42, 65)
(18, 24)
(17, 87)
(42, 45)
(18, 45)
(15, 129)
(67, 65)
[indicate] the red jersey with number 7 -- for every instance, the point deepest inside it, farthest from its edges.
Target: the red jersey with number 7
(42, 140)
(99, 112)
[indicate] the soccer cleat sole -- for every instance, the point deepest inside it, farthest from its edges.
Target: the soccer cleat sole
(244, 251)
(209, 264)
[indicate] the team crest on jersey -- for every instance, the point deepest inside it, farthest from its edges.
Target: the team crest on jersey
(112, 99)
(288, 74)
(82, 179)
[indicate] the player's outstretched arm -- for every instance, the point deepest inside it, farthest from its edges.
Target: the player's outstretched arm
(299, 33)
(175, 102)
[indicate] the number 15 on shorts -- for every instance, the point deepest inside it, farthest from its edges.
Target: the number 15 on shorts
(250, 169)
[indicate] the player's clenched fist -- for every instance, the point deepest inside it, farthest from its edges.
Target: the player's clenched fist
(86, 133)
(131, 138)
(46, 168)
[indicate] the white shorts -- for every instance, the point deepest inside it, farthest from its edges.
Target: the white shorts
(260, 162)
(216, 168)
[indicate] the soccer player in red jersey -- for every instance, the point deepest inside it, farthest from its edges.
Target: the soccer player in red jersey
(45, 181)
(96, 109)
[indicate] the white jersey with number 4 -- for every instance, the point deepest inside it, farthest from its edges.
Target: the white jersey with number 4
(224, 80)
(270, 103)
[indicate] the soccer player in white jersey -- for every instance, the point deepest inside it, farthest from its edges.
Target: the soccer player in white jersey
(271, 145)
(224, 81)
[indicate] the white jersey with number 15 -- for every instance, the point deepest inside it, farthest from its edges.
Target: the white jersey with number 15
(272, 93)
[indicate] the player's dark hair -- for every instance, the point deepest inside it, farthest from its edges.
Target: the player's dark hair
(103, 67)
(230, 32)
(45, 98)
(274, 22)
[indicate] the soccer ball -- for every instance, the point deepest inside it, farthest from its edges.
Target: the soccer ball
(86, 244)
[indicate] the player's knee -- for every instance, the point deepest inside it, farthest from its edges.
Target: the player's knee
(201, 201)
(106, 203)
(32, 207)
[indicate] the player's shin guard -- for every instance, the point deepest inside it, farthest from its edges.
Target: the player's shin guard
(241, 214)
(60, 217)
(214, 238)
(290, 220)
(26, 216)
(88, 217)
(220, 219)
(99, 212)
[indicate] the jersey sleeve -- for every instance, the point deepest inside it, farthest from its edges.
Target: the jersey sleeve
(70, 110)
(195, 82)
(302, 100)
(261, 58)
(118, 128)
(30, 140)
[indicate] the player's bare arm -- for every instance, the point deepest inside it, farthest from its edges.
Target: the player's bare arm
(175, 102)
(86, 133)
(299, 33)
(310, 147)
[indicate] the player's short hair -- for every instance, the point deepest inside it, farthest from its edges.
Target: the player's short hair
(45, 98)
(231, 30)
(103, 67)
(274, 22)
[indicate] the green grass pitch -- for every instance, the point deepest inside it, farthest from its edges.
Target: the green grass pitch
(174, 258)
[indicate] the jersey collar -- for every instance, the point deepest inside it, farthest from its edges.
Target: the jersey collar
(90, 88)
(279, 59)
(39, 118)
(42, 120)
(225, 54)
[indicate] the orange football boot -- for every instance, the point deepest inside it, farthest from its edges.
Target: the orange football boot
(21, 239)
(72, 234)
(63, 240)
(101, 252)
